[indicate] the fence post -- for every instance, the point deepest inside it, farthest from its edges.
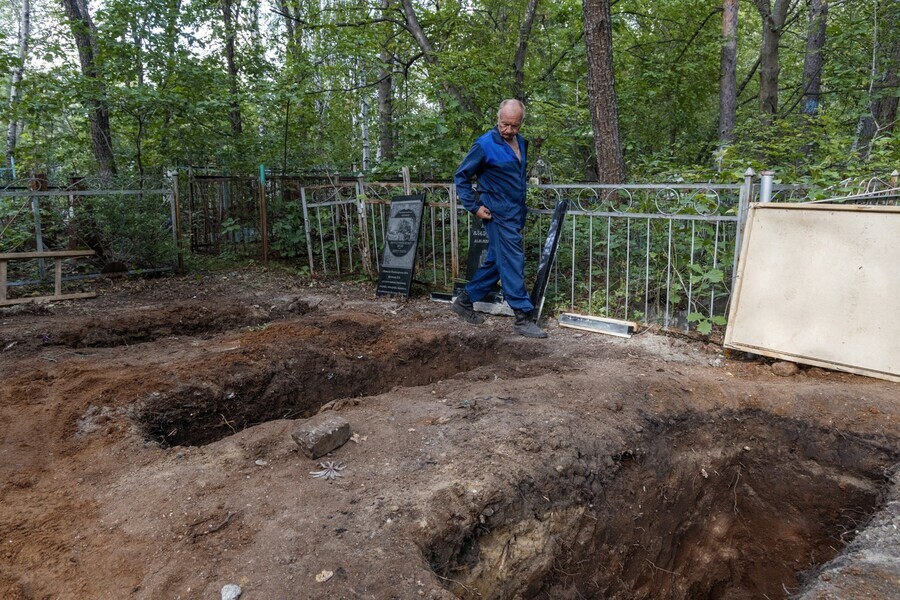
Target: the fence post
(743, 208)
(190, 211)
(38, 233)
(176, 218)
(363, 223)
(264, 231)
(407, 183)
(765, 186)
(307, 229)
(895, 176)
(454, 234)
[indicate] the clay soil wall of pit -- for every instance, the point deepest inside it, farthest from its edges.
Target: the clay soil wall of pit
(688, 514)
(147, 453)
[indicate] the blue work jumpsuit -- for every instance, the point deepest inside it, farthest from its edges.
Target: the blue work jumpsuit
(501, 188)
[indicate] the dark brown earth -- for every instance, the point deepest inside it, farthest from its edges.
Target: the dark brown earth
(146, 453)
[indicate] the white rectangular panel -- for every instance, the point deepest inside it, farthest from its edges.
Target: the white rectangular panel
(820, 284)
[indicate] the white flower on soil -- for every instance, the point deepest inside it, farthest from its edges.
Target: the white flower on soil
(330, 470)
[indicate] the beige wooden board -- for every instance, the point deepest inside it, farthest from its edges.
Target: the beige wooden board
(820, 284)
(48, 254)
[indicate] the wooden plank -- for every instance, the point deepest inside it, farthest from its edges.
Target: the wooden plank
(47, 254)
(57, 277)
(48, 298)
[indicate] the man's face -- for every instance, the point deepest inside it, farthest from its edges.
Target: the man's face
(508, 122)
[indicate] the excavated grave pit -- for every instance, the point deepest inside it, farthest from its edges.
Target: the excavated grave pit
(146, 324)
(290, 370)
(740, 506)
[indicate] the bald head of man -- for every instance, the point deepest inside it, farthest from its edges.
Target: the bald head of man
(509, 118)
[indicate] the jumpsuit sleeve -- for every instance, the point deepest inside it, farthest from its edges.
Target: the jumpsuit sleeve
(472, 166)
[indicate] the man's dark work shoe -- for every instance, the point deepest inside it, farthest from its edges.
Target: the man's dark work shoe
(464, 308)
(525, 326)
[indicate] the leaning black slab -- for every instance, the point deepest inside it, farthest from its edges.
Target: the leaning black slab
(402, 239)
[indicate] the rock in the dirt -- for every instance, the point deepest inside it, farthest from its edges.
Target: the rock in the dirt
(231, 592)
(785, 369)
(321, 434)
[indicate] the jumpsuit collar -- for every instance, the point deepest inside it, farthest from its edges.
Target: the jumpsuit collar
(498, 139)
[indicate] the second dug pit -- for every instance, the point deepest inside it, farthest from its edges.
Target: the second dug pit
(737, 506)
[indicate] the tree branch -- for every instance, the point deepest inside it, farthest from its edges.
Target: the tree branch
(714, 12)
(362, 23)
(552, 66)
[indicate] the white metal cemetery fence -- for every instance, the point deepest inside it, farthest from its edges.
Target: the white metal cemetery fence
(653, 253)
(663, 253)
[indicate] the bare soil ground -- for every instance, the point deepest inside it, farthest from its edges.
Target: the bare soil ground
(146, 453)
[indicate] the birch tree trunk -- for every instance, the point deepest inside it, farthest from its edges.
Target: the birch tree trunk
(364, 119)
(773, 19)
(812, 61)
(602, 91)
(12, 130)
(522, 50)
(728, 72)
(85, 35)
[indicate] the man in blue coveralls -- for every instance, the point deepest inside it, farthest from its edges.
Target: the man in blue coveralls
(497, 160)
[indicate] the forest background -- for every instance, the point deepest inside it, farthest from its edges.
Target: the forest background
(639, 90)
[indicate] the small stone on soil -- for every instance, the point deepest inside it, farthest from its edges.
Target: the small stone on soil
(231, 592)
(321, 434)
(324, 576)
(785, 369)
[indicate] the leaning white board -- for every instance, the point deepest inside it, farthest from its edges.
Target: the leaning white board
(820, 285)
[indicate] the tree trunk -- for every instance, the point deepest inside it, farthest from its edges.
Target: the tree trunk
(85, 33)
(728, 72)
(291, 14)
(364, 119)
(170, 39)
(522, 50)
(386, 96)
(884, 107)
(234, 113)
(773, 20)
(12, 131)
(883, 98)
(602, 91)
(415, 29)
(812, 62)
(137, 37)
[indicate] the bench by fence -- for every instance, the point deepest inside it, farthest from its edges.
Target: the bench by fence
(57, 257)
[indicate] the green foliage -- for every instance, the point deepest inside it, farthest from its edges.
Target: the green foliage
(302, 99)
(15, 223)
(288, 233)
(705, 323)
(133, 230)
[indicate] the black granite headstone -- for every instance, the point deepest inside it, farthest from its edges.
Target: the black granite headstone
(399, 256)
(548, 256)
(478, 249)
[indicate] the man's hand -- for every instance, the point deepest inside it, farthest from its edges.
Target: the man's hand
(483, 213)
